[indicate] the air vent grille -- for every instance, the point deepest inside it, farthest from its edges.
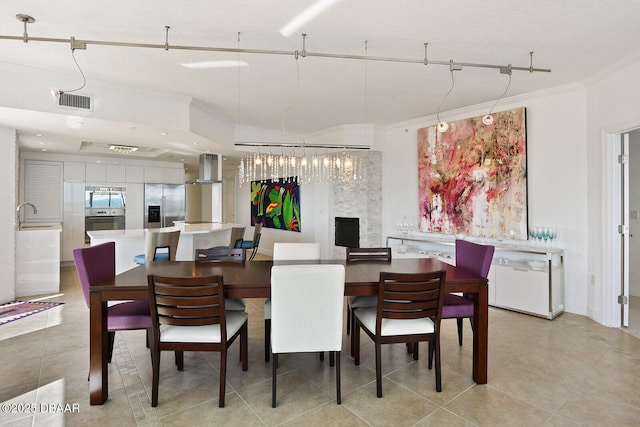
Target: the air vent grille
(75, 101)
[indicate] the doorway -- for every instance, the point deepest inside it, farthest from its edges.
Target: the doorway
(631, 319)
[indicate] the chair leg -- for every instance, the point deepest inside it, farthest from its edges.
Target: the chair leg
(223, 376)
(112, 340)
(155, 363)
(180, 360)
(430, 350)
(348, 319)
(267, 339)
(436, 344)
(274, 375)
(414, 347)
(355, 343)
(459, 320)
(332, 358)
(253, 253)
(321, 355)
(378, 370)
(336, 355)
(244, 347)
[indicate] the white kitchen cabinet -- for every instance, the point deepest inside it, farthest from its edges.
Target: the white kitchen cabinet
(72, 218)
(115, 173)
(74, 171)
(174, 176)
(528, 279)
(134, 211)
(43, 188)
(96, 173)
(134, 174)
(153, 175)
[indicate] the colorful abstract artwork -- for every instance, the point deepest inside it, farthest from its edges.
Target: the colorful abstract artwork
(276, 204)
(473, 178)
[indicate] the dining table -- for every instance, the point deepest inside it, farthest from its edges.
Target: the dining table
(252, 279)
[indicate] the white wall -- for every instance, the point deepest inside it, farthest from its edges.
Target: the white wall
(8, 162)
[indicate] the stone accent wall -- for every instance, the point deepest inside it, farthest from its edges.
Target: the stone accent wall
(361, 199)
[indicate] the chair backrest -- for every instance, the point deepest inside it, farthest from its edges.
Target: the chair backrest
(369, 254)
(187, 301)
(155, 240)
(95, 264)
(296, 325)
(410, 296)
(237, 236)
(221, 255)
(296, 251)
(473, 257)
(257, 232)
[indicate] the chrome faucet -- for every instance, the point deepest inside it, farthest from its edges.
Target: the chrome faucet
(20, 206)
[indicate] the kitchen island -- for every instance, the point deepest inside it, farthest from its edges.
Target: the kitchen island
(130, 243)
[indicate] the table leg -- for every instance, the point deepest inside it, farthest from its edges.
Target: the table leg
(480, 335)
(98, 374)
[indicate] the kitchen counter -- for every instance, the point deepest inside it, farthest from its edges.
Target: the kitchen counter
(38, 259)
(130, 243)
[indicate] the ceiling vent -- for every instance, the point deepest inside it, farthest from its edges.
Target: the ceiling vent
(70, 100)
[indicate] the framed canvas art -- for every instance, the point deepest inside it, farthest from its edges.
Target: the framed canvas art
(276, 203)
(473, 178)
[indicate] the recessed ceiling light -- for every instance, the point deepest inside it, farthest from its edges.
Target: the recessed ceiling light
(165, 133)
(38, 135)
(44, 149)
(214, 64)
(41, 143)
(306, 16)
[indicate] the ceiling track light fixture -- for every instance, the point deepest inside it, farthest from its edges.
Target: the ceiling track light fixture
(75, 44)
(81, 44)
(442, 125)
(488, 118)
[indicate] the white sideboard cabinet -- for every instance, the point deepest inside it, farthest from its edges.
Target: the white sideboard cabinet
(524, 278)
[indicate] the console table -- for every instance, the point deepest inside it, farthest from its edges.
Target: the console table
(524, 278)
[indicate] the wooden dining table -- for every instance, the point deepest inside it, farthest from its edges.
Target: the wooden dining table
(252, 280)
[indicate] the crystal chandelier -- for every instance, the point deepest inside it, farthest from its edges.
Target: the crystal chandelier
(316, 164)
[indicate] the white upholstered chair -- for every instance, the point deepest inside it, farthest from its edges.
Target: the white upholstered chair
(286, 252)
(296, 325)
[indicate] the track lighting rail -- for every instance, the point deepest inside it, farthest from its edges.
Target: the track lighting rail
(82, 44)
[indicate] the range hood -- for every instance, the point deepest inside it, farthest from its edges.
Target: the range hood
(210, 169)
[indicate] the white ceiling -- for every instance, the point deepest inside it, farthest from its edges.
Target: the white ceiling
(574, 38)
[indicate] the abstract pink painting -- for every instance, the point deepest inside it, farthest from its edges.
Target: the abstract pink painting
(473, 178)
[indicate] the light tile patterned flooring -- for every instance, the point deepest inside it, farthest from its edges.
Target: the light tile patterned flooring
(566, 372)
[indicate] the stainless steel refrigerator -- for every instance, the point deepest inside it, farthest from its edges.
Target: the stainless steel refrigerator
(163, 204)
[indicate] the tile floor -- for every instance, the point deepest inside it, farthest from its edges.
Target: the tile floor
(566, 372)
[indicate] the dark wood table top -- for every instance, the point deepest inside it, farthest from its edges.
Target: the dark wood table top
(252, 278)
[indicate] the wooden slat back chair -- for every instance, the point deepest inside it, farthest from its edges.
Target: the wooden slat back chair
(188, 314)
(355, 302)
(253, 244)
(225, 255)
(409, 310)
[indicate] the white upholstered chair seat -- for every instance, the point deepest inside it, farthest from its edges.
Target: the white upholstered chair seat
(234, 304)
(391, 327)
(363, 301)
(204, 333)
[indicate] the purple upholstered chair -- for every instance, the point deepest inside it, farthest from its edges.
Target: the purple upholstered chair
(476, 259)
(95, 264)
